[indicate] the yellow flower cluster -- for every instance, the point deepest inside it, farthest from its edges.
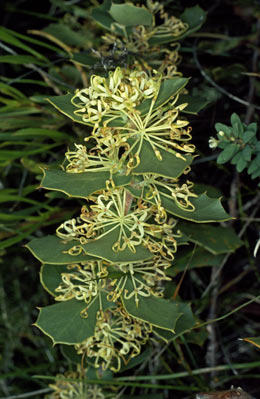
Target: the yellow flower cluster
(85, 281)
(71, 385)
(131, 219)
(112, 97)
(118, 338)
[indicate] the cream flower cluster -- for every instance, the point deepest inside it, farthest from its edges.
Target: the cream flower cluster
(117, 339)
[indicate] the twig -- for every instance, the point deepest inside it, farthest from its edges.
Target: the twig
(252, 79)
(220, 89)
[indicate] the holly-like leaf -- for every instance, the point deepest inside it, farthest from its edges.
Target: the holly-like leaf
(168, 89)
(130, 15)
(217, 240)
(195, 104)
(64, 325)
(184, 324)
(161, 313)
(190, 259)
(50, 276)
(53, 250)
(170, 166)
(194, 17)
(206, 209)
(102, 248)
(80, 185)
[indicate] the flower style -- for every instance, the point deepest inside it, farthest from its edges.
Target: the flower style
(118, 337)
(65, 388)
(82, 281)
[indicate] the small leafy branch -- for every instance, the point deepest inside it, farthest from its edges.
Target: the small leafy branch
(106, 267)
(239, 144)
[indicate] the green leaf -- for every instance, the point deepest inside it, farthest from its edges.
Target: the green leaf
(237, 125)
(195, 104)
(50, 276)
(84, 58)
(217, 240)
(230, 150)
(223, 128)
(170, 166)
(241, 164)
(67, 35)
(253, 166)
(64, 325)
(248, 136)
(64, 105)
(79, 185)
(101, 15)
(189, 259)
(159, 312)
(12, 92)
(20, 59)
(70, 354)
(51, 249)
(194, 17)
(8, 36)
(184, 324)
(138, 360)
(8, 155)
(41, 132)
(168, 89)
(247, 153)
(206, 209)
(102, 248)
(252, 127)
(130, 15)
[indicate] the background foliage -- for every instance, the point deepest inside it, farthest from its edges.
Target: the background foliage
(223, 61)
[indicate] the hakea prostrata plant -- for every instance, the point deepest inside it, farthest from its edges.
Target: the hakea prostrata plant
(106, 267)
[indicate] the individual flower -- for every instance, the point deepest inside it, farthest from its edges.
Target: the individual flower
(118, 338)
(213, 143)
